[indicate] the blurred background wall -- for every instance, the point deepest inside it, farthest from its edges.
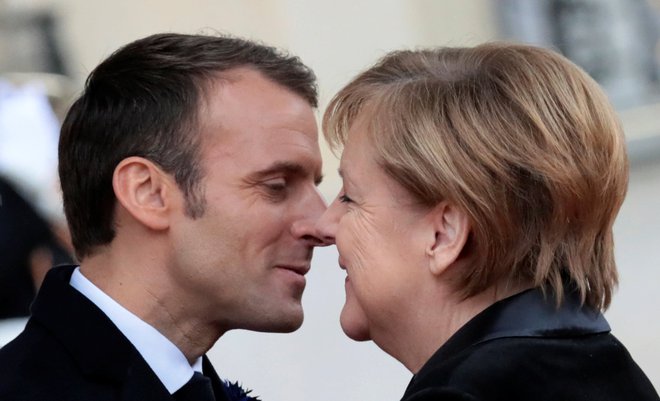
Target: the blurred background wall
(615, 40)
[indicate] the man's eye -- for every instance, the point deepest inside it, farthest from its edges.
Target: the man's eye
(275, 185)
(276, 189)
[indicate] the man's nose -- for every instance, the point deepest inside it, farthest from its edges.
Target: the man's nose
(305, 228)
(327, 223)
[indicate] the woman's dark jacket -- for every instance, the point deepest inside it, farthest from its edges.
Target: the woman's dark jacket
(525, 348)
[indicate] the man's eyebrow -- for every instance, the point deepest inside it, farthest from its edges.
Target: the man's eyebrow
(286, 167)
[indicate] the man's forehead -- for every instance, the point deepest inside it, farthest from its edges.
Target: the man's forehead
(246, 78)
(246, 107)
(231, 76)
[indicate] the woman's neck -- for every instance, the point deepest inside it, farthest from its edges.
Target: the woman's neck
(436, 320)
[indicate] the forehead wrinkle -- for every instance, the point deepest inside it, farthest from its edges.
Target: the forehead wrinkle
(345, 176)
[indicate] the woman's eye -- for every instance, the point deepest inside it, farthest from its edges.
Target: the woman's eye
(345, 199)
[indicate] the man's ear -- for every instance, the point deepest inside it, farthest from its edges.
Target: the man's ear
(144, 191)
(451, 229)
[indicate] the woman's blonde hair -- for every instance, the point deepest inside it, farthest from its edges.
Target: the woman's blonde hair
(520, 138)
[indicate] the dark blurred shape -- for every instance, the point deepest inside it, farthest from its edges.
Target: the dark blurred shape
(31, 52)
(28, 43)
(616, 41)
(28, 249)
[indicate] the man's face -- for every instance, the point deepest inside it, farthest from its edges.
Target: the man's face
(242, 263)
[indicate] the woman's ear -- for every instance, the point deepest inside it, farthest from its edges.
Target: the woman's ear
(143, 190)
(451, 228)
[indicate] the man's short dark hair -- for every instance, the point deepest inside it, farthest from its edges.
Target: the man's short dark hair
(143, 100)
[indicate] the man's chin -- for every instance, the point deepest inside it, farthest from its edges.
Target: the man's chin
(282, 324)
(289, 326)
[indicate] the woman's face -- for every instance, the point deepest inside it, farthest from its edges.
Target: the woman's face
(379, 232)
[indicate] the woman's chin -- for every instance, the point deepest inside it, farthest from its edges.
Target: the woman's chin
(355, 329)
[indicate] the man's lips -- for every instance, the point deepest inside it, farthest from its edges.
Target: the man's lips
(298, 269)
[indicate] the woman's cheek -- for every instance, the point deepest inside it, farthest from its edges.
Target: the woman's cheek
(359, 241)
(356, 242)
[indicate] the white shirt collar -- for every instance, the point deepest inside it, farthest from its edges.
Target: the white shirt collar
(162, 356)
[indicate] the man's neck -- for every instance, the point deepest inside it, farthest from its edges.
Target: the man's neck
(149, 294)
